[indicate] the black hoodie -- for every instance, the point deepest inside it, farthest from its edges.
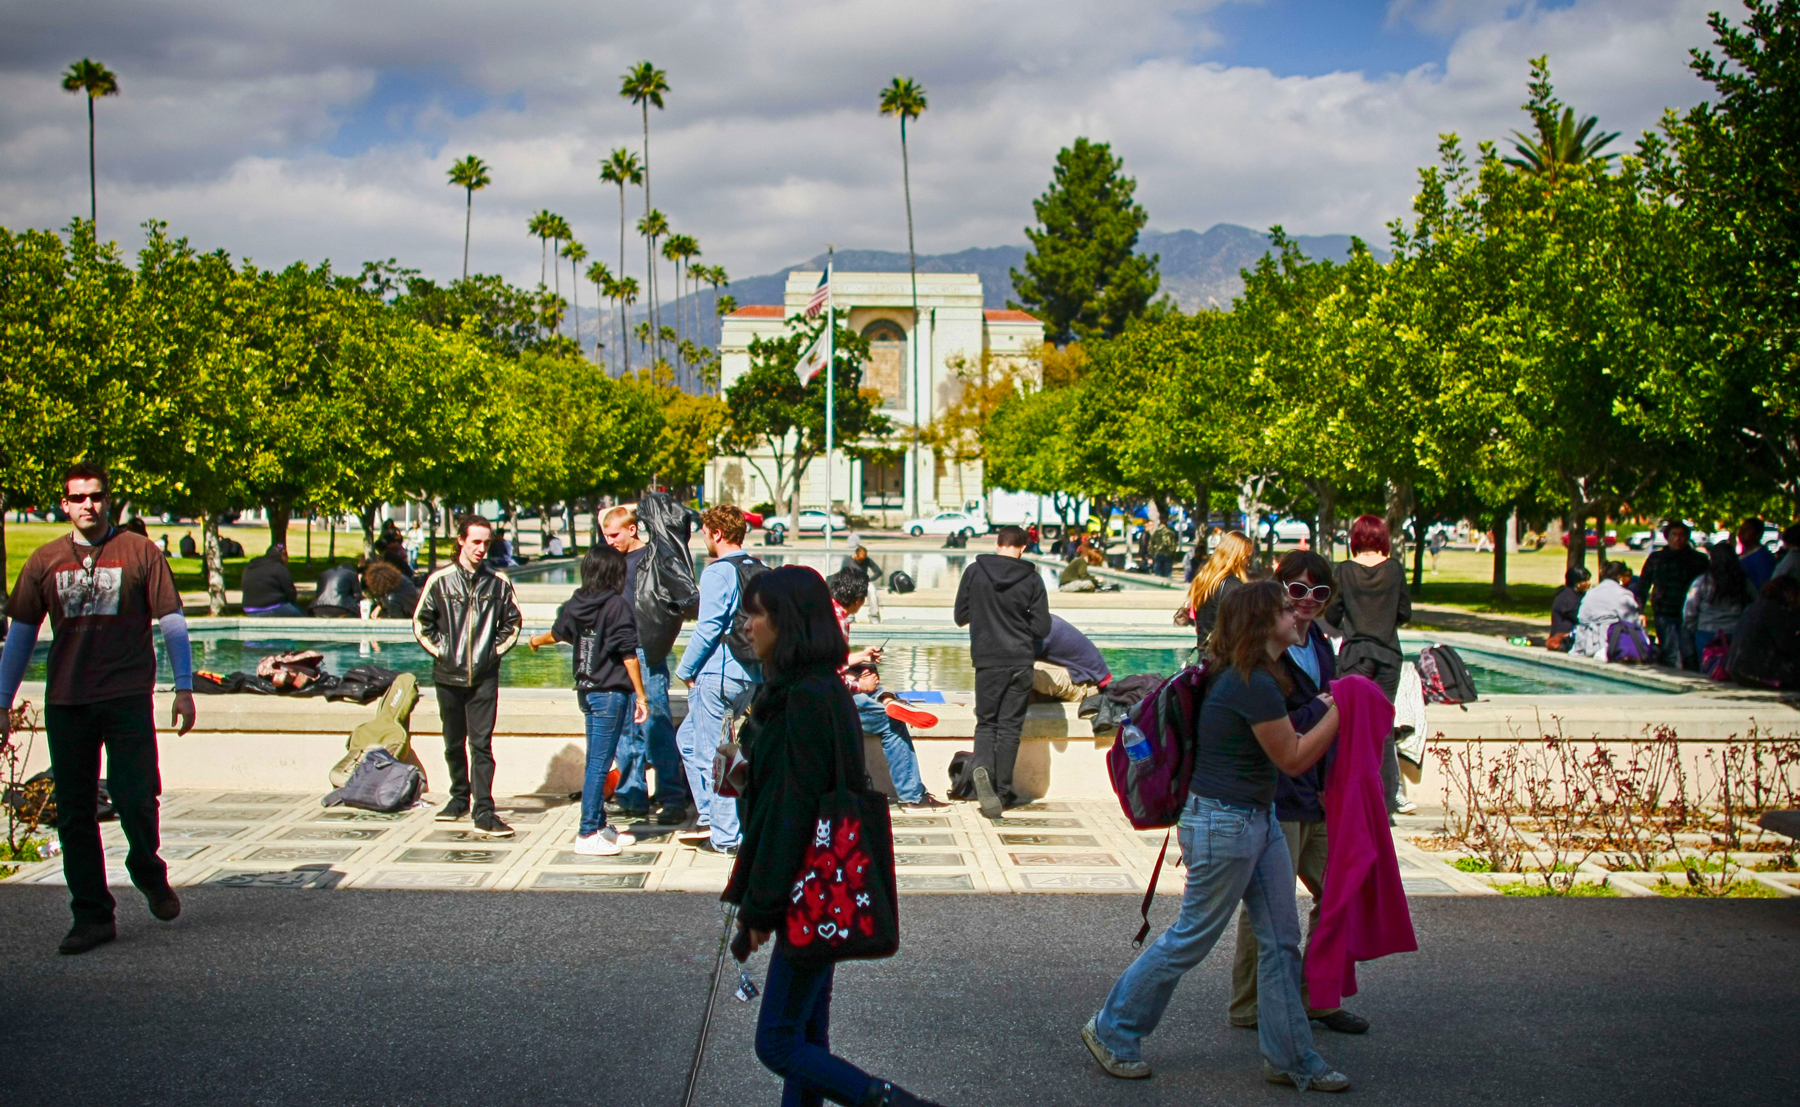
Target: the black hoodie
(604, 633)
(1003, 603)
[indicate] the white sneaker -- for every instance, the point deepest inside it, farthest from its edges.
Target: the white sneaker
(603, 843)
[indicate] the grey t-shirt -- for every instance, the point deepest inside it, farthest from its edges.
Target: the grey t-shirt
(1229, 763)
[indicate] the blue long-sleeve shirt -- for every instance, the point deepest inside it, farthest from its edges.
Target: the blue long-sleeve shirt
(706, 653)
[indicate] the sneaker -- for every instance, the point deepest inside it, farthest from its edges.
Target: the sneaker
(605, 842)
(489, 825)
(928, 803)
(165, 905)
(1331, 1080)
(85, 936)
(452, 811)
(705, 845)
(670, 815)
(991, 807)
(1343, 1022)
(1408, 808)
(1124, 1070)
(619, 810)
(689, 837)
(911, 716)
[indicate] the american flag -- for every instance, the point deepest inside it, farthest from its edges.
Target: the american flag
(821, 295)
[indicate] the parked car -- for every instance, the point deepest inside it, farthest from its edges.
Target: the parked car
(754, 519)
(1593, 539)
(946, 522)
(809, 520)
(1287, 530)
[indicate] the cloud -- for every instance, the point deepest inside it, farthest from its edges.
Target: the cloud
(289, 132)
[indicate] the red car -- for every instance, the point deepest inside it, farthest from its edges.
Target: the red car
(1593, 539)
(753, 519)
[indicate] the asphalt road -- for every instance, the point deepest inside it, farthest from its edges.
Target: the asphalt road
(347, 997)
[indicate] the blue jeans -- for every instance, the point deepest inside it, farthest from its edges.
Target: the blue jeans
(652, 744)
(279, 611)
(903, 764)
(1675, 643)
(793, 1037)
(699, 740)
(1233, 855)
(607, 715)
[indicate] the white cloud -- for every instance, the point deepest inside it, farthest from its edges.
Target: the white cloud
(770, 145)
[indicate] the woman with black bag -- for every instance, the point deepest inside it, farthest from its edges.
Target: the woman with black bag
(816, 866)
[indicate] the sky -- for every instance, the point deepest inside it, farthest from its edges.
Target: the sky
(325, 129)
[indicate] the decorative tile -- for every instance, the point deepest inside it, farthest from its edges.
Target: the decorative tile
(331, 834)
(914, 822)
(225, 814)
(416, 878)
(935, 882)
(1047, 805)
(943, 859)
(322, 877)
(454, 856)
(1428, 886)
(924, 839)
(1078, 882)
(471, 836)
(200, 833)
(522, 818)
(1049, 840)
(570, 857)
(167, 852)
(1038, 824)
(351, 815)
(300, 853)
(259, 797)
(1062, 860)
(586, 881)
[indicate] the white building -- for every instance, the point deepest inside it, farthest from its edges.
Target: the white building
(914, 367)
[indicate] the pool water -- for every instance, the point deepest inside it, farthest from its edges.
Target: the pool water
(906, 666)
(928, 570)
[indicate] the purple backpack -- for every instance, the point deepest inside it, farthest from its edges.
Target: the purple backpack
(1152, 761)
(1628, 643)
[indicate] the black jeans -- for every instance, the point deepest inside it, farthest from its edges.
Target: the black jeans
(126, 728)
(1001, 697)
(793, 1037)
(1675, 644)
(468, 715)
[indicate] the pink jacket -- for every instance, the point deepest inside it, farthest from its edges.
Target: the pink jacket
(1364, 913)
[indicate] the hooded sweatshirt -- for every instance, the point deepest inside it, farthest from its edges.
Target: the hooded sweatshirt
(1003, 603)
(604, 632)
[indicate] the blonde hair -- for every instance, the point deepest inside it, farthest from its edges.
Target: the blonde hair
(1230, 558)
(627, 512)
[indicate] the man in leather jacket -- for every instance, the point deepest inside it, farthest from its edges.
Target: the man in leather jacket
(466, 619)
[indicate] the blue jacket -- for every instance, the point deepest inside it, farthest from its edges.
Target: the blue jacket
(1297, 797)
(707, 653)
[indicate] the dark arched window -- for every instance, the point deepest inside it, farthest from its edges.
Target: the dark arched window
(887, 358)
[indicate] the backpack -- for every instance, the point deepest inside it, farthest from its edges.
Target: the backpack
(1443, 676)
(738, 639)
(380, 783)
(1627, 643)
(1152, 761)
(1715, 659)
(900, 582)
(387, 730)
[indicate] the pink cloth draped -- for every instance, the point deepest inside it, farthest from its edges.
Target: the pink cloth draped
(1364, 913)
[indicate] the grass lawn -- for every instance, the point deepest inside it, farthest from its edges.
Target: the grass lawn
(1464, 579)
(190, 575)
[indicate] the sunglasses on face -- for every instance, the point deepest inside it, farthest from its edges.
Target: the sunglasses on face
(84, 497)
(1300, 590)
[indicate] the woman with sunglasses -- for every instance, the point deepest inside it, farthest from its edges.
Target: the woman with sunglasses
(1310, 668)
(1234, 851)
(1370, 606)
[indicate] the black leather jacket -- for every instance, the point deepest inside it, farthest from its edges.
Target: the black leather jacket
(466, 621)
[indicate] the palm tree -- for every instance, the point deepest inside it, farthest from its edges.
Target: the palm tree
(470, 175)
(652, 226)
(905, 98)
(1561, 146)
(679, 249)
(627, 294)
(576, 253)
(540, 226)
(644, 84)
(559, 233)
(601, 279)
(89, 76)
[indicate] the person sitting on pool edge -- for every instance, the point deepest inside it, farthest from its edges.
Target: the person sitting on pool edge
(884, 717)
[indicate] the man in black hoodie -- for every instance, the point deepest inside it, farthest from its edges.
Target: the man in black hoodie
(1001, 599)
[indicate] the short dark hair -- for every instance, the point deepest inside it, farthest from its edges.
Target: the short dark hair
(1011, 536)
(1791, 537)
(848, 586)
(1616, 571)
(1370, 532)
(87, 470)
(795, 600)
(1298, 563)
(1674, 525)
(862, 667)
(463, 523)
(602, 569)
(1575, 577)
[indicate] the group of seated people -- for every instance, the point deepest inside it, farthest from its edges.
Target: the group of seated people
(387, 583)
(1730, 616)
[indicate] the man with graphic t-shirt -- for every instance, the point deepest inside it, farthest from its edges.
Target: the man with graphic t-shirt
(101, 588)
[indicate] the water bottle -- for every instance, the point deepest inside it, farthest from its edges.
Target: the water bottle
(1137, 743)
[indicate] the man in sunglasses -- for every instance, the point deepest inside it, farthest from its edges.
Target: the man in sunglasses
(101, 587)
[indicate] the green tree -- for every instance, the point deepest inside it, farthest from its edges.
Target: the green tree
(1082, 277)
(1561, 145)
(653, 226)
(905, 98)
(94, 80)
(470, 175)
(542, 227)
(576, 253)
(621, 168)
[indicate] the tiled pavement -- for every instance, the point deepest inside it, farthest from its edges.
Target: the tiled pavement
(257, 839)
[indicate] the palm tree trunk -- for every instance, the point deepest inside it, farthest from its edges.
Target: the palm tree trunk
(575, 300)
(543, 261)
(655, 336)
(912, 265)
(468, 215)
(93, 179)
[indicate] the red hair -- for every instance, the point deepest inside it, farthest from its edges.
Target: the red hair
(1369, 532)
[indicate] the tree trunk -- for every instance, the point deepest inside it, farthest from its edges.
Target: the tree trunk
(431, 522)
(215, 565)
(1325, 538)
(331, 538)
(5, 575)
(1503, 522)
(544, 529)
(1418, 551)
(279, 514)
(366, 516)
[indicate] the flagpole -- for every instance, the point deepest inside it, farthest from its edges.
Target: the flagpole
(830, 394)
